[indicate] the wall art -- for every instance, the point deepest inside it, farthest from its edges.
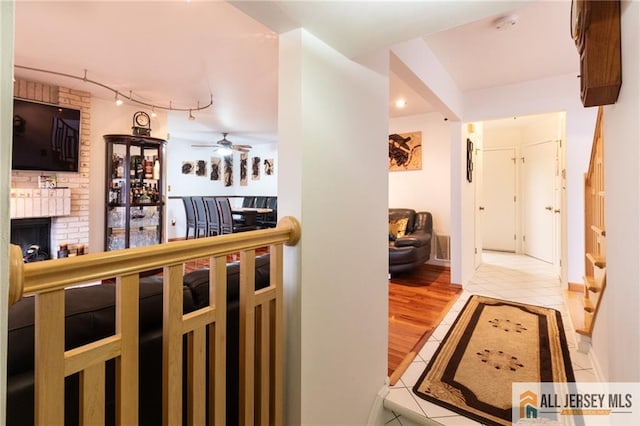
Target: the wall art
(469, 160)
(215, 169)
(405, 151)
(228, 170)
(244, 159)
(268, 166)
(201, 168)
(188, 167)
(255, 168)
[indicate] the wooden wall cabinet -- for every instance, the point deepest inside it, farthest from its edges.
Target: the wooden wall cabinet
(595, 27)
(134, 196)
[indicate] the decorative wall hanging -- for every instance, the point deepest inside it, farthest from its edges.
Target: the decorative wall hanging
(255, 168)
(244, 157)
(188, 167)
(268, 166)
(405, 151)
(215, 169)
(228, 170)
(469, 160)
(201, 168)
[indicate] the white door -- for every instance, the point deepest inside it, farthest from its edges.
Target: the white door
(498, 208)
(540, 170)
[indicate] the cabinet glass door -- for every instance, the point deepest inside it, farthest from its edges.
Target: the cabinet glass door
(134, 201)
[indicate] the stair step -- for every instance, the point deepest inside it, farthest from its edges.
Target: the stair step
(588, 306)
(588, 320)
(599, 231)
(597, 261)
(592, 284)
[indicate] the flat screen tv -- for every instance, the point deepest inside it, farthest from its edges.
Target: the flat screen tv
(45, 137)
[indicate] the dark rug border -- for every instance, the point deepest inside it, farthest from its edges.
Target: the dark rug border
(565, 354)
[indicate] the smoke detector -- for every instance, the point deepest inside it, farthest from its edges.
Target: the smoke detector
(506, 22)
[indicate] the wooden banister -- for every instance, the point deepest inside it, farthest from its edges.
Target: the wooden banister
(261, 322)
(594, 230)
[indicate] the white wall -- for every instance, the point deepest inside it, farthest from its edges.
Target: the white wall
(540, 96)
(179, 150)
(616, 338)
(333, 129)
(108, 118)
(428, 189)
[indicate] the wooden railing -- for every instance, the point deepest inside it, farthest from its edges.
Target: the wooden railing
(595, 278)
(261, 341)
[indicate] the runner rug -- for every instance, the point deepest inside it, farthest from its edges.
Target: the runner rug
(492, 344)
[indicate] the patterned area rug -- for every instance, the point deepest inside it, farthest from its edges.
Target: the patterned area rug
(492, 344)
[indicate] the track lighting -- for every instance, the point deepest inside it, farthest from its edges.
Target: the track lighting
(119, 96)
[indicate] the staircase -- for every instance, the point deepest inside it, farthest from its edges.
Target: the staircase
(595, 278)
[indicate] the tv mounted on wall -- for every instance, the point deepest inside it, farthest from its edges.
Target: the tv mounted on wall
(45, 137)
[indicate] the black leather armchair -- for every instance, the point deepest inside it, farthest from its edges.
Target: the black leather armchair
(414, 248)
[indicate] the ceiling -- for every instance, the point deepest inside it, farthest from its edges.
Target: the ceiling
(186, 52)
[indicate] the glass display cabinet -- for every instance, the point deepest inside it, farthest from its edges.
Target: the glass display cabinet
(134, 197)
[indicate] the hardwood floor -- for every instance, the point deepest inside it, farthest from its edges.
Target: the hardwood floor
(417, 303)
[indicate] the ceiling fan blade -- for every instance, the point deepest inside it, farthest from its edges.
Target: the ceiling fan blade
(206, 145)
(242, 148)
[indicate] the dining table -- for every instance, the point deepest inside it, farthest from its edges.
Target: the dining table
(250, 214)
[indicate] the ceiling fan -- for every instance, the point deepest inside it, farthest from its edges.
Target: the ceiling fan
(225, 144)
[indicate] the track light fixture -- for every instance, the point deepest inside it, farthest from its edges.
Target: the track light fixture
(119, 96)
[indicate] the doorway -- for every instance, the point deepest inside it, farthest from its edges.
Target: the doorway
(518, 207)
(540, 172)
(499, 202)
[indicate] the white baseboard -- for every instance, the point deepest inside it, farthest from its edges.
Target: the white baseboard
(377, 410)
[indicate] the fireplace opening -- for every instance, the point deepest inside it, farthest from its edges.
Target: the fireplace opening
(33, 235)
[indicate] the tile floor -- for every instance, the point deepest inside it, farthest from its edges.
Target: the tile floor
(502, 275)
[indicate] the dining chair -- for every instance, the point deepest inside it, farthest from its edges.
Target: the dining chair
(201, 217)
(227, 225)
(213, 217)
(225, 215)
(249, 202)
(190, 215)
(261, 202)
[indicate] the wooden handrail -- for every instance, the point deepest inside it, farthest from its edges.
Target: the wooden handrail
(261, 330)
(594, 230)
(40, 277)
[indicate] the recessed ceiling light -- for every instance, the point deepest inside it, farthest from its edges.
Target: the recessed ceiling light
(401, 103)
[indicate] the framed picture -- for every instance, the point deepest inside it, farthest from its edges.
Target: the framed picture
(244, 158)
(215, 169)
(188, 168)
(255, 168)
(405, 151)
(268, 166)
(469, 160)
(228, 170)
(201, 168)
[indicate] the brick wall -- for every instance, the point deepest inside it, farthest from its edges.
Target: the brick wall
(74, 228)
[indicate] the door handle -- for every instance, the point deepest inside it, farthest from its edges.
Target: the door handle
(549, 208)
(480, 208)
(556, 211)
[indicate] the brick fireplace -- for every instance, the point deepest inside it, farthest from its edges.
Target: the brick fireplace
(33, 231)
(73, 227)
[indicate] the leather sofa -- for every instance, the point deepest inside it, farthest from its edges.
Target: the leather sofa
(90, 315)
(414, 247)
